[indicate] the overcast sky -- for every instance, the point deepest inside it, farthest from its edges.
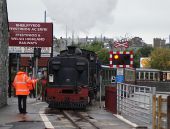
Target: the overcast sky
(147, 19)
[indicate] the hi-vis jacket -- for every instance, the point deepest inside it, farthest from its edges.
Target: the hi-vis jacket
(32, 84)
(20, 83)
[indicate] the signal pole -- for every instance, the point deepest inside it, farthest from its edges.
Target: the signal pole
(45, 16)
(66, 36)
(37, 54)
(72, 37)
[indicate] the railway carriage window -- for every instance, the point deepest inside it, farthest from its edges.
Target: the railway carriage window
(156, 76)
(142, 76)
(151, 76)
(147, 75)
(137, 75)
(168, 76)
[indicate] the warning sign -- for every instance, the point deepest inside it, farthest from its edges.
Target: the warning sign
(30, 34)
(145, 62)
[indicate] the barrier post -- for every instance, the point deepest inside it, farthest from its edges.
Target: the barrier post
(159, 111)
(154, 113)
(168, 112)
(100, 92)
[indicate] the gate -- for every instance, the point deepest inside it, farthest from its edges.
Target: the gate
(135, 103)
(106, 78)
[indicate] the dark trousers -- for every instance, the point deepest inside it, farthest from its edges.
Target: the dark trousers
(22, 101)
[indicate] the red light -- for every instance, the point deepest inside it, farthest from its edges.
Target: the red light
(116, 57)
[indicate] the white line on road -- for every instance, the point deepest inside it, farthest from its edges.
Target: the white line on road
(46, 121)
(36, 103)
(125, 120)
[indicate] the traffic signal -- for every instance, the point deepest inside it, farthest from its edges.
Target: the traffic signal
(121, 59)
(37, 52)
(116, 57)
(31, 62)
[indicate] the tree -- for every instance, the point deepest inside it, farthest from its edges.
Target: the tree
(160, 59)
(103, 54)
(142, 52)
(94, 46)
(145, 51)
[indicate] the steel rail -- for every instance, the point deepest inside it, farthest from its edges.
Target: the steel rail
(70, 118)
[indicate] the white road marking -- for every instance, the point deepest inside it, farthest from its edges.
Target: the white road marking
(46, 121)
(125, 120)
(36, 103)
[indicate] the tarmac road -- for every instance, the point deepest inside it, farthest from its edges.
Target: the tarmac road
(10, 118)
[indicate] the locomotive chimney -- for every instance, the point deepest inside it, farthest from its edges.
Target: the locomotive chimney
(74, 50)
(71, 49)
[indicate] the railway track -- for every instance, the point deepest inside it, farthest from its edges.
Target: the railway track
(76, 119)
(73, 119)
(79, 120)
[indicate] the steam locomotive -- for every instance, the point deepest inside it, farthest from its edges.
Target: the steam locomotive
(72, 79)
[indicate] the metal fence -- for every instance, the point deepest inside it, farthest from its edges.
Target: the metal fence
(135, 103)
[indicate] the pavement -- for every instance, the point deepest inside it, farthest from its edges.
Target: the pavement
(10, 118)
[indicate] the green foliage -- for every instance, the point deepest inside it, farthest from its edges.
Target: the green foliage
(95, 46)
(142, 52)
(145, 51)
(160, 59)
(136, 63)
(103, 54)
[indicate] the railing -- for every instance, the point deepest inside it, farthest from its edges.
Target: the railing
(135, 103)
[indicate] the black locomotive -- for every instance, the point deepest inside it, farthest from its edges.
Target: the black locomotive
(72, 79)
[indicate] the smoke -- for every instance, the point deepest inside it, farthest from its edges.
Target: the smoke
(80, 15)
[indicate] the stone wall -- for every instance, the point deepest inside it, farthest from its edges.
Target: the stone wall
(4, 34)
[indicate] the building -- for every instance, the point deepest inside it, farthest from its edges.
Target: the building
(4, 34)
(158, 42)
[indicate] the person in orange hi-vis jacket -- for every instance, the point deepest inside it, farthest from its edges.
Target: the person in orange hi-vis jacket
(21, 85)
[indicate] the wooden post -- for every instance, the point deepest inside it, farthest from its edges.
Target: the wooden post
(159, 111)
(154, 112)
(168, 112)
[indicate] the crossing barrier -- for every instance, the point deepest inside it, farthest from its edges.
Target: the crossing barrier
(135, 103)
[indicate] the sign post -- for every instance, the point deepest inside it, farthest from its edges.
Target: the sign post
(37, 54)
(120, 75)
